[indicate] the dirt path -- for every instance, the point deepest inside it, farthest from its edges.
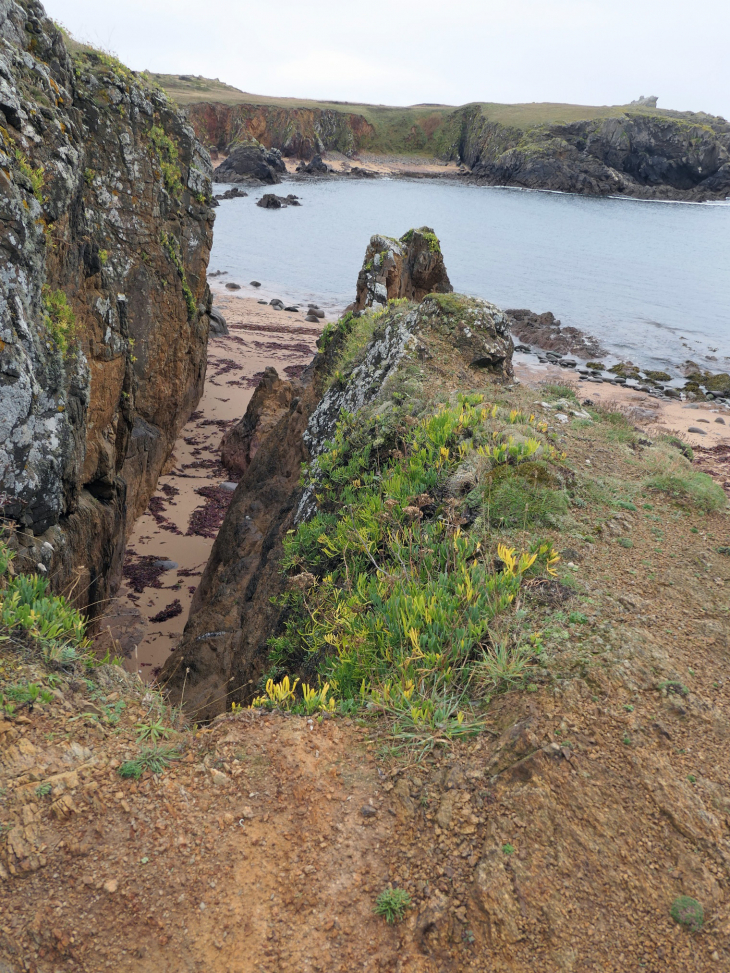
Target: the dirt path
(179, 526)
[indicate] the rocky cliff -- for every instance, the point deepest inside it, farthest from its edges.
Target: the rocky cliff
(636, 150)
(374, 366)
(642, 154)
(299, 132)
(106, 231)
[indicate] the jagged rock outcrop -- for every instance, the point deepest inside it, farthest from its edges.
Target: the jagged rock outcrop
(251, 162)
(272, 201)
(269, 404)
(316, 167)
(407, 268)
(545, 331)
(225, 646)
(106, 231)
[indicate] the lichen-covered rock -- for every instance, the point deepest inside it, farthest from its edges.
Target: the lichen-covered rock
(407, 268)
(105, 235)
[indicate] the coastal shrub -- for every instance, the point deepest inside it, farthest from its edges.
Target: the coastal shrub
(671, 473)
(59, 318)
(394, 600)
(356, 332)
(557, 391)
(523, 496)
(154, 759)
(434, 244)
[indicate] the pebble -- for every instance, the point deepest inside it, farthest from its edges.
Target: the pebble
(111, 886)
(165, 565)
(233, 287)
(367, 811)
(264, 302)
(255, 283)
(229, 485)
(720, 420)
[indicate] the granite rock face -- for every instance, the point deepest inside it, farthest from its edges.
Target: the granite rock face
(407, 268)
(252, 163)
(106, 230)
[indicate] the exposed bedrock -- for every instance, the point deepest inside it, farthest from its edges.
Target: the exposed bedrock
(224, 650)
(105, 235)
(296, 132)
(635, 154)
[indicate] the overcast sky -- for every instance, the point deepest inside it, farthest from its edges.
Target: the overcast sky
(593, 52)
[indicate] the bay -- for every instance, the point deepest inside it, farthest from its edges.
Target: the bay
(651, 280)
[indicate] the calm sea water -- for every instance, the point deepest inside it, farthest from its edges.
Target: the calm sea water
(650, 280)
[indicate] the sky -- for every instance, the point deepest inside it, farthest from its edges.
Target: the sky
(590, 52)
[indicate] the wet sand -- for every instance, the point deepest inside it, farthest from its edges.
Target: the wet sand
(150, 610)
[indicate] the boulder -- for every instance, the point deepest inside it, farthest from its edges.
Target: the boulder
(272, 201)
(314, 168)
(251, 162)
(410, 267)
(234, 193)
(218, 324)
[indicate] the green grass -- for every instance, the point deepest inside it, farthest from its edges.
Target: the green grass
(154, 759)
(688, 912)
(672, 474)
(392, 904)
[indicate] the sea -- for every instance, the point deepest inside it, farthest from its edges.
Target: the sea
(649, 279)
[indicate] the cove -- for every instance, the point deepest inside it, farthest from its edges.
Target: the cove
(649, 279)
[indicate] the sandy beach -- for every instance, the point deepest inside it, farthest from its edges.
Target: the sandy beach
(150, 609)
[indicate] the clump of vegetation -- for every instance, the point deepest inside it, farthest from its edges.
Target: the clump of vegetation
(597, 366)
(172, 248)
(448, 303)
(399, 600)
(392, 904)
(282, 695)
(28, 607)
(688, 912)
(167, 158)
(59, 318)
(672, 473)
(429, 236)
(154, 759)
(658, 376)
(35, 176)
